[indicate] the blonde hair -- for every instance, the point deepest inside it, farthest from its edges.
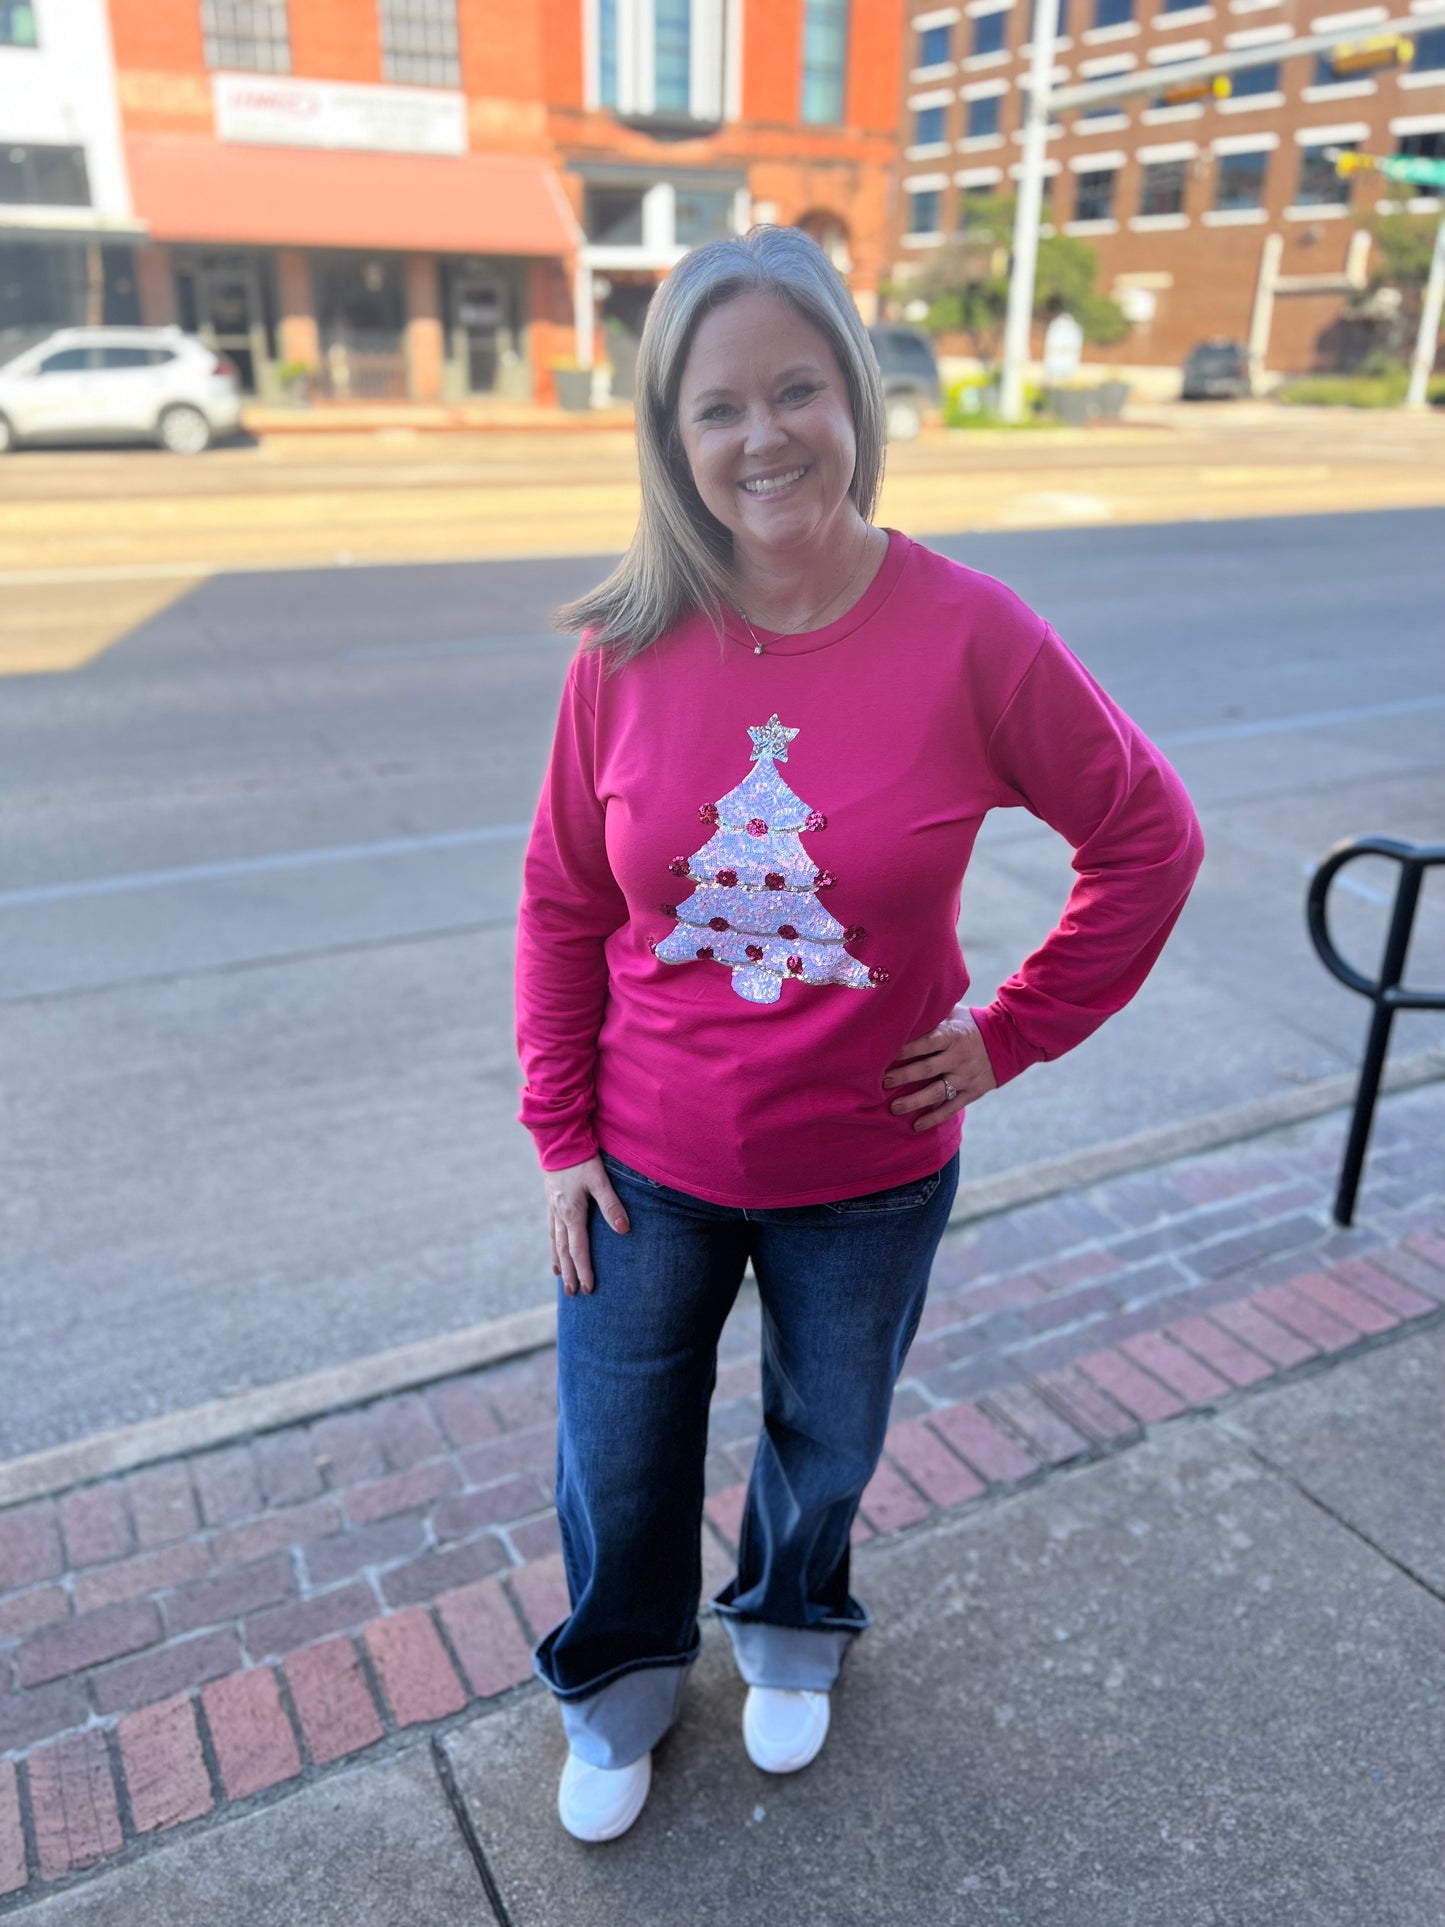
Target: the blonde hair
(680, 557)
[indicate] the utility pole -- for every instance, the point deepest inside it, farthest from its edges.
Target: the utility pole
(1418, 391)
(1027, 208)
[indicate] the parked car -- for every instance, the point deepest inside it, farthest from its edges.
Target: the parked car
(910, 377)
(119, 384)
(1216, 370)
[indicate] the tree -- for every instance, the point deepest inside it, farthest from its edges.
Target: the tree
(965, 283)
(756, 908)
(1392, 300)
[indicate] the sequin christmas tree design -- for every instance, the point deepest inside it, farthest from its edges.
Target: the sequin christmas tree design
(756, 907)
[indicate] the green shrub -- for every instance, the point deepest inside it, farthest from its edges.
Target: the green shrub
(1385, 389)
(972, 402)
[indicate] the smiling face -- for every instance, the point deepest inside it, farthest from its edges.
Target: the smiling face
(764, 419)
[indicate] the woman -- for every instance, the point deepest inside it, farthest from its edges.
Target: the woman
(740, 988)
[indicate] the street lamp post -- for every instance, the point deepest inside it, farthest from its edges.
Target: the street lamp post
(1425, 342)
(1027, 209)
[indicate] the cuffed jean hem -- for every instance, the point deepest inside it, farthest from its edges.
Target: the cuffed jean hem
(614, 1721)
(798, 1658)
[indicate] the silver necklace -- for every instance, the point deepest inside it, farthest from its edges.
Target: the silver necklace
(807, 621)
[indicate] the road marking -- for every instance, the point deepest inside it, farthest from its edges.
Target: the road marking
(260, 865)
(1318, 719)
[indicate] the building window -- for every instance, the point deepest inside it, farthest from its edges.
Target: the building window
(419, 42)
(612, 216)
(923, 211)
(1094, 195)
(1429, 50)
(607, 52)
(1422, 147)
(43, 176)
(1177, 6)
(982, 116)
(17, 24)
(932, 46)
(672, 56)
(990, 32)
(1239, 181)
(1319, 184)
(928, 129)
(1256, 80)
(1325, 75)
(250, 35)
(702, 215)
(1162, 191)
(825, 59)
(1112, 13)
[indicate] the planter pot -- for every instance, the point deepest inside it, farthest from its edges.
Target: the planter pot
(1075, 407)
(574, 388)
(1112, 398)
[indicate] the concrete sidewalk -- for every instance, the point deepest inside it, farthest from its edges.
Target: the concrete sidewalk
(1159, 1594)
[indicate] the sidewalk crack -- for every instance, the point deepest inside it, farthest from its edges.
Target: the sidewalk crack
(462, 1815)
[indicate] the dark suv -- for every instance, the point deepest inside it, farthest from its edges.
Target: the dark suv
(1216, 370)
(910, 377)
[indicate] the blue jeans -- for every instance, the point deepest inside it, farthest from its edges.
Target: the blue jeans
(842, 1287)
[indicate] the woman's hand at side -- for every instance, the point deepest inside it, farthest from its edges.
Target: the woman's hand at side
(950, 1057)
(568, 1192)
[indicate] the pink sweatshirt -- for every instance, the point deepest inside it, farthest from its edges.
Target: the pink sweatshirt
(741, 893)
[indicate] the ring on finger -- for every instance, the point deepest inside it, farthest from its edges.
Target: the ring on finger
(948, 1091)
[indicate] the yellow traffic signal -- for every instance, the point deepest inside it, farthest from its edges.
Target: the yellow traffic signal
(1220, 88)
(1368, 55)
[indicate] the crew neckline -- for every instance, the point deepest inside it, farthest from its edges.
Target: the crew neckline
(802, 642)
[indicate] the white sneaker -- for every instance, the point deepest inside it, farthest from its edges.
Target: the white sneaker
(599, 1802)
(783, 1729)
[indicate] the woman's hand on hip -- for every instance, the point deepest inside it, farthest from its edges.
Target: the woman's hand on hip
(950, 1067)
(568, 1193)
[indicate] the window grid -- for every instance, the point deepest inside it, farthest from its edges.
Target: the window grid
(1421, 147)
(990, 32)
(928, 126)
(825, 60)
(1094, 195)
(672, 56)
(419, 42)
(17, 24)
(1319, 184)
(1239, 181)
(982, 116)
(923, 211)
(932, 47)
(250, 35)
(1162, 189)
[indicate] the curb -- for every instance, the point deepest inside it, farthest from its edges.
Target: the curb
(299, 1400)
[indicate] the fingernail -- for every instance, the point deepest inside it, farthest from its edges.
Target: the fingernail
(587, 1291)
(619, 1224)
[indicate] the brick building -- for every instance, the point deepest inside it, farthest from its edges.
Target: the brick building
(445, 198)
(1208, 217)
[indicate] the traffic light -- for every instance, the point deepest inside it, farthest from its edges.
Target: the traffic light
(1219, 88)
(1368, 55)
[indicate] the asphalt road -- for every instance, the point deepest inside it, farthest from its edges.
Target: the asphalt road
(259, 875)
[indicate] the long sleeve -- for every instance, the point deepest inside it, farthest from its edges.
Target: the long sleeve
(571, 904)
(1062, 749)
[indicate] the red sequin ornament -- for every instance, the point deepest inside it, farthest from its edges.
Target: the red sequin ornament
(815, 820)
(786, 930)
(705, 951)
(772, 881)
(717, 923)
(678, 866)
(878, 976)
(727, 878)
(755, 952)
(824, 880)
(757, 827)
(708, 812)
(795, 966)
(855, 933)
(668, 909)
(652, 945)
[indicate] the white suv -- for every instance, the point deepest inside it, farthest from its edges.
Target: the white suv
(119, 384)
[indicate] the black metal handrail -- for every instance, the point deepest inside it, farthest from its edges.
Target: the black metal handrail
(1386, 993)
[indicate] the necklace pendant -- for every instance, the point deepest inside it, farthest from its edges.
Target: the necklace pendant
(759, 650)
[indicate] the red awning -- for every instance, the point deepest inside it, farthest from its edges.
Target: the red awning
(188, 189)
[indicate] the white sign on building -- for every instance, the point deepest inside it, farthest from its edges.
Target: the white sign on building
(270, 112)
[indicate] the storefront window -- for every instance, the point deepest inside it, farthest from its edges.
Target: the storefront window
(43, 176)
(613, 216)
(702, 217)
(361, 309)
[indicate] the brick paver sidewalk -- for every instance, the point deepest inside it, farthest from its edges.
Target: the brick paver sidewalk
(204, 1630)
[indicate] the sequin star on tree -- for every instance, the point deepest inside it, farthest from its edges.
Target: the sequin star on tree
(755, 908)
